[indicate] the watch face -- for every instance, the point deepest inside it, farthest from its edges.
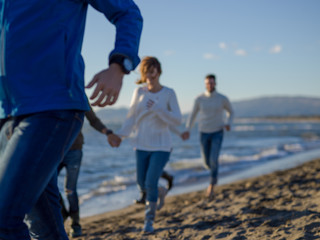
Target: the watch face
(127, 64)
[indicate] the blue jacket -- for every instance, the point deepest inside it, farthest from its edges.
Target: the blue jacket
(41, 67)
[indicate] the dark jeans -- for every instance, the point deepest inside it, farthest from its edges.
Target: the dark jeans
(210, 150)
(31, 148)
(72, 163)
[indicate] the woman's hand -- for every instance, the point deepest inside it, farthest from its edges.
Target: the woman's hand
(150, 103)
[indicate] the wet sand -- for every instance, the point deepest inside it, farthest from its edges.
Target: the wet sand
(281, 205)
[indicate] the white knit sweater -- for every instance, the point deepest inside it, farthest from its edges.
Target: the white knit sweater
(211, 108)
(150, 127)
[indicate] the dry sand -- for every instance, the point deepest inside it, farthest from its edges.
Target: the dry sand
(281, 205)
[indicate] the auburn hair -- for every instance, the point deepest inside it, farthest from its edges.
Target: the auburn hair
(146, 65)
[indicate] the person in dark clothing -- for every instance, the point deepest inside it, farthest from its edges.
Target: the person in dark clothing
(72, 162)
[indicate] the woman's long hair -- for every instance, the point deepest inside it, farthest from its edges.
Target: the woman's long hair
(146, 65)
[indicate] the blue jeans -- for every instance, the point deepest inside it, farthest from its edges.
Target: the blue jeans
(72, 163)
(31, 148)
(150, 165)
(210, 149)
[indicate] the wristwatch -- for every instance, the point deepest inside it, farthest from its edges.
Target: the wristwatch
(108, 132)
(124, 62)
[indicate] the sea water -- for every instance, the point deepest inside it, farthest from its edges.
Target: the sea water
(107, 178)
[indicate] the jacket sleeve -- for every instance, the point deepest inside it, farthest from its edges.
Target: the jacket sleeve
(126, 17)
(130, 121)
(94, 121)
(192, 118)
(172, 114)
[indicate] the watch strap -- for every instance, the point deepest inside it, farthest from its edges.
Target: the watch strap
(119, 59)
(108, 132)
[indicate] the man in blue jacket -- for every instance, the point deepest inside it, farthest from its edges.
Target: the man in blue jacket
(42, 100)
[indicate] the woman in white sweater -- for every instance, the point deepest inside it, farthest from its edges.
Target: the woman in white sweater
(154, 108)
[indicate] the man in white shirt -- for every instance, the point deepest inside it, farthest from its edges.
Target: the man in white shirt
(211, 107)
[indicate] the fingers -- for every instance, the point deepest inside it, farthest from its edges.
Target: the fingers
(110, 99)
(150, 103)
(107, 96)
(99, 100)
(114, 140)
(105, 99)
(93, 81)
(96, 90)
(114, 144)
(108, 84)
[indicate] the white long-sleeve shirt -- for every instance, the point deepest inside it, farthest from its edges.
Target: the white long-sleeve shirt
(150, 126)
(211, 108)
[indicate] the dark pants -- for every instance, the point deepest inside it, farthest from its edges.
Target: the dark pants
(31, 148)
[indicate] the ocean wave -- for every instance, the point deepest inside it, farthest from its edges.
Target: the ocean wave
(119, 183)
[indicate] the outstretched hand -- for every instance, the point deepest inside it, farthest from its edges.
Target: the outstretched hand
(108, 85)
(114, 140)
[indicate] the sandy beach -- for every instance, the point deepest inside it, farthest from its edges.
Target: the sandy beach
(280, 205)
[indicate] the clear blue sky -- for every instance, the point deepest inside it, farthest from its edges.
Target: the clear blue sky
(255, 48)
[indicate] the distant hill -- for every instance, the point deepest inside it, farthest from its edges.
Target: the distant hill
(257, 107)
(277, 107)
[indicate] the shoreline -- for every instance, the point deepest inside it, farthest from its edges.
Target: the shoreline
(279, 205)
(123, 199)
(281, 118)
